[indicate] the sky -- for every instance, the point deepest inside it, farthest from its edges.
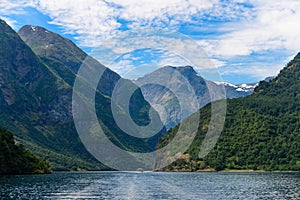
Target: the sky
(243, 41)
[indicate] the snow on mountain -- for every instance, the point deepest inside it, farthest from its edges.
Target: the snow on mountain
(245, 87)
(226, 84)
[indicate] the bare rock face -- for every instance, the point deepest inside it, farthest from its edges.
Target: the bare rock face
(205, 91)
(59, 109)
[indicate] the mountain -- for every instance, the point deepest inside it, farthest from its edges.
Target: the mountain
(33, 105)
(36, 85)
(178, 79)
(65, 58)
(14, 159)
(261, 131)
(240, 90)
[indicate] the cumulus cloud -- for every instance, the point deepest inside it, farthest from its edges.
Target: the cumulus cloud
(176, 50)
(122, 66)
(253, 70)
(248, 26)
(275, 26)
(161, 13)
(266, 25)
(89, 19)
(9, 7)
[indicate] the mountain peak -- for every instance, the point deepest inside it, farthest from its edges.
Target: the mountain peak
(50, 45)
(205, 91)
(39, 36)
(182, 68)
(34, 28)
(28, 32)
(3, 24)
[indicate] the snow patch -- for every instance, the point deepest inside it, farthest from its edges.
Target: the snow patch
(240, 88)
(33, 28)
(226, 84)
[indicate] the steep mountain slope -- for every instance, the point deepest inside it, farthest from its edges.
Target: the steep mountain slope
(36, 100)
(261, 131)
(63, 56)
(157, 94)
(30, 95)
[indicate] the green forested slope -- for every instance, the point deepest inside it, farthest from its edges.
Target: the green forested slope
(14, 159)
(261, 132)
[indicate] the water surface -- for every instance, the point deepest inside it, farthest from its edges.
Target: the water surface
(149, 185)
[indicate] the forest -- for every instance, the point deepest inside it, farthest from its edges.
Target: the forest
(15, 159)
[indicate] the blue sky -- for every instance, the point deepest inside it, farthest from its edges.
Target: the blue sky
(241, 40)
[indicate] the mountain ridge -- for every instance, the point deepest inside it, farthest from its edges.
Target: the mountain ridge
(261, 131)
(204, 90)
(36, 99)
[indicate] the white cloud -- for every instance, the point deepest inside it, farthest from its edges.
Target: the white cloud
(12, 23)
(90, 19)
(268, 25)
(94, 20)
(178, 49)
(161, 13)
(169, 59)
(123, 66)
(275, 26)
(9, 7)
(255, 70)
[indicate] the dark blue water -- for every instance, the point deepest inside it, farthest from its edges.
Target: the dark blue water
(128, 185)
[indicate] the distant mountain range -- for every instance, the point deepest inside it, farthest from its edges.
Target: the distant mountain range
(157, 94)
(37, 72)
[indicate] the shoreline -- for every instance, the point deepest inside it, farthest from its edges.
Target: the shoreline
(198, 171)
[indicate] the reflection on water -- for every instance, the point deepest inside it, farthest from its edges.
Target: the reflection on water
(129, 185)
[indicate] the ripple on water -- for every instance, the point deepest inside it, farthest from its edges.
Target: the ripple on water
(138, 186)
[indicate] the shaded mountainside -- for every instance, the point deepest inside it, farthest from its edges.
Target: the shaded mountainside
(36, 98)
(158, 94)
(261, 131)
(33, 105)
(63, 56)
(14, 159)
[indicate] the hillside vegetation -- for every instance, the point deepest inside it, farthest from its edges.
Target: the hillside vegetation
(261, 131)
(14, 159)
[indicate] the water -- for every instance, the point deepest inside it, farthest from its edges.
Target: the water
(129, 185)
